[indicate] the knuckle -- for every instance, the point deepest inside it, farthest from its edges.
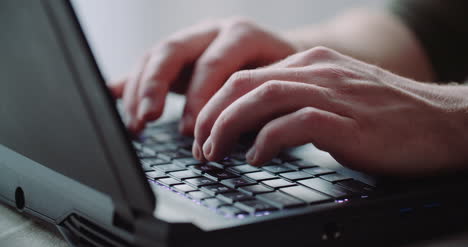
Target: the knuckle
(308, 114)
(240, 79)
(319, 53)
(270, 90)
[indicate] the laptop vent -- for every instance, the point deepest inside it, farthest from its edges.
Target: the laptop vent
(87, 233)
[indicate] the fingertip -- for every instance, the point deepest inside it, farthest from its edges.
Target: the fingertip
(117, 88)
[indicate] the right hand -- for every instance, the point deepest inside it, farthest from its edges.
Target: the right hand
(196, 61)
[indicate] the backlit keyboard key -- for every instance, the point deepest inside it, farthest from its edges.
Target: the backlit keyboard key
(237, 182)
(184, 174)
(234, 197)
(296, 175)
(278, 183)
(256, 189)
(317, 171)
(325, 187)
(242, 169)
(255, 206)
(335, 177)
(183, 188)
(305, 194)
(168, 168)
(216, 189)
(199, 182)
(280, 200)
(156, 175)
(279, 168)
(260, 176)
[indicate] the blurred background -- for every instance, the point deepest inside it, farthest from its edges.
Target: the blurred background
(119, 31)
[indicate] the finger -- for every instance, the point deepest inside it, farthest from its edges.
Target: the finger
(222, 58)
(130, 91)
(328, 131)
(260, 106)
(117, 87)
(245, 81)
(163, 68)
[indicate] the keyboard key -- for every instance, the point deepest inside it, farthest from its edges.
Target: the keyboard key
(260, 176)
(255, 206)
(256, 189)
(237, 182)
(296, 175)
(216, 189)
(142, 154)
(198, 195)
(278, 183)
(154, 161)
(305, 194)
(325, 187)
(335, 177)
(302, 164)
(183, 188)
(168, 168)
(156, 175)
(230, 162)
(187, 161)
(280, 200)
(184, 174)
(238, 155)
(357, 186)
(317, 171)
(219, 174)
(163, 137)
(168, 181)
(242, 169)
(198, 182)
(234, 197)
(213, 203)
(146, 168)
(231, 211)
(279, 168)
(176, 154)
(155, 148)
(203, 168)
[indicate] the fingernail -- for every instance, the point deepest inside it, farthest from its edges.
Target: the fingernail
(250, 156)
(207, 147)
(144, 107)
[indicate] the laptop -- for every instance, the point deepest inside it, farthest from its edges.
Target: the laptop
(66, 158)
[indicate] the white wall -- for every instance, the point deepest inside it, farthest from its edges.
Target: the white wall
(121, 30)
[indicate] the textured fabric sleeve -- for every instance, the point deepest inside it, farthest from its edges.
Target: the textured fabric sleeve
(442, 28)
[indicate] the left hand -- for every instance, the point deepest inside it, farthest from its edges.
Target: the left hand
(365, 117)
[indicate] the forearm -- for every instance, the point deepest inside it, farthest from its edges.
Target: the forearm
(369, 35)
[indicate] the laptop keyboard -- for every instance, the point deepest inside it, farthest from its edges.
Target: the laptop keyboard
(234, 188)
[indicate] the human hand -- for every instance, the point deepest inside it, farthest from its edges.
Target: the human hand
(367, 118)
(195, 61)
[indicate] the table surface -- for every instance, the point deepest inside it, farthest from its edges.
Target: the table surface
(19, 230)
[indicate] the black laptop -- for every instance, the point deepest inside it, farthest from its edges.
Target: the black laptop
(66, 158)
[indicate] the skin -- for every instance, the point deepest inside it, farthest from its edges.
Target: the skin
(367, 118)
(360, 91)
